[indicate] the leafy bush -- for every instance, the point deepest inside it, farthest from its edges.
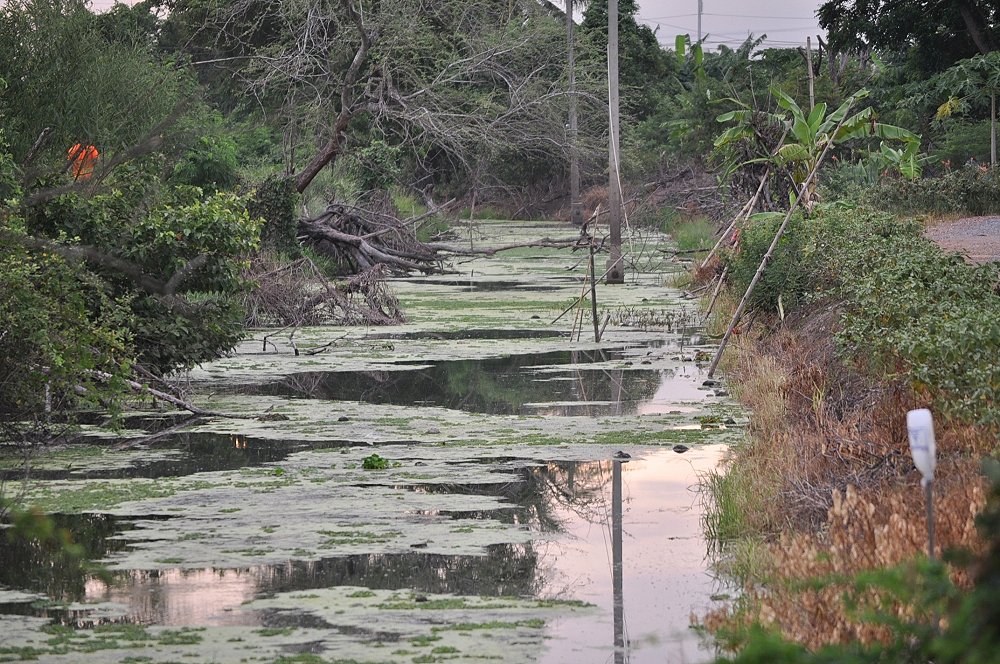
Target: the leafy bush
(966, 190)
(160, 231)
(785, 276)
(210, 164)
(964, 140)
(57, 327)
(910, 310)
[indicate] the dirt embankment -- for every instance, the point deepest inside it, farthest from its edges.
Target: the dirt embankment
(978, 238)
(827, 480)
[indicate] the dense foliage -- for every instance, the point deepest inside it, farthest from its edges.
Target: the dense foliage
(130, 266)
(910, 310)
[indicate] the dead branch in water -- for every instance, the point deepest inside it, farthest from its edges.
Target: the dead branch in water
(357, 239)
(160, 395)
(292, 295)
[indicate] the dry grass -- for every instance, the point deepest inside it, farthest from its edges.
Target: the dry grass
(863, 532)
(826, 481)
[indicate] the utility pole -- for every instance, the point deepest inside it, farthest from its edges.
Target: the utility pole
(812, 77)
(616, 268)
(575, 214)
(700, 8)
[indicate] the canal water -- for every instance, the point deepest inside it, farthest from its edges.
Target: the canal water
(478, 482)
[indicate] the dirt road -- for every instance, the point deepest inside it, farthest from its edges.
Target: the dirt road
(978, 238)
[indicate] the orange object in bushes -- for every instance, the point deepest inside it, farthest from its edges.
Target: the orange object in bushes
(82, 158)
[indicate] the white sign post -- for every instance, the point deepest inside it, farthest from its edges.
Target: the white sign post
(920, 428)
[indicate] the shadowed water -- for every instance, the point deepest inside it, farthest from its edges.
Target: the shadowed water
(553, 383)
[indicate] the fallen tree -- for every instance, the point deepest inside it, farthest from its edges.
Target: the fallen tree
(359, 240)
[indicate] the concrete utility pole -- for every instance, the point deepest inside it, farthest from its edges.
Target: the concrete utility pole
(616, 267)
(575, 214)
(812, 77)
(700, 8)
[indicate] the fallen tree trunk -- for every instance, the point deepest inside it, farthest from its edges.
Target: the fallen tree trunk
(358, 239)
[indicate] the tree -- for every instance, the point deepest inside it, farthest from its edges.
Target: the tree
(69, 71)
(645, 69)
(466, 86)
(936, 33)
(100, 276)
(968, 83)
(807, 135)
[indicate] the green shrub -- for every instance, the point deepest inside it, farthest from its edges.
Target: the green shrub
(910, 310)
(57, 327)
(785, 276)
(210, 164)
(965, 190)
(159, 231)
(963, 140)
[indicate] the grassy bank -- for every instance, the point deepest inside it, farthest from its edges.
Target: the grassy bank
(859, 319)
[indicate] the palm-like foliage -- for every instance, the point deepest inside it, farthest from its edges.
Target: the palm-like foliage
(808, 135)
(966, 83)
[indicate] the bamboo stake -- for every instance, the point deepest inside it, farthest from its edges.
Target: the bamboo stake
(812, 77)
(715, 293)
(803, 193)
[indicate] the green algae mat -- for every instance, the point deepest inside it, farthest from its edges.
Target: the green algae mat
(437, 490)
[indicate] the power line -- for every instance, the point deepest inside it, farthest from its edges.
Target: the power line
(783, 18)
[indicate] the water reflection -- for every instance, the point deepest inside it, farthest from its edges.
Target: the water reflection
(558, 383)
(655, 541)
(623, 536)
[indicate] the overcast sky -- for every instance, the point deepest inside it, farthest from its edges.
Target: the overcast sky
(785, 22)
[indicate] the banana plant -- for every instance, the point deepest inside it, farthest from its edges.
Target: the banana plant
(809, 134)
(906, 160)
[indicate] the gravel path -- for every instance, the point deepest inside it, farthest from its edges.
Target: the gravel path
(976, 237)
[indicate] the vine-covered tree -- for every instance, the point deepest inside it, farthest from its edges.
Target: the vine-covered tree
(460, 88)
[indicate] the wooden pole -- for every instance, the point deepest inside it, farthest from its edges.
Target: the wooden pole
(616, 267)
(802, 193)
(593, 294)
(715, 294)
(575, 213)
(701, 8)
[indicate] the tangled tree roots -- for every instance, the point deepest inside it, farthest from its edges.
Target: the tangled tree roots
(298, 293)
(358, 239)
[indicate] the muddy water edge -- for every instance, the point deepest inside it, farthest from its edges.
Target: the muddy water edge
(479, 482)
